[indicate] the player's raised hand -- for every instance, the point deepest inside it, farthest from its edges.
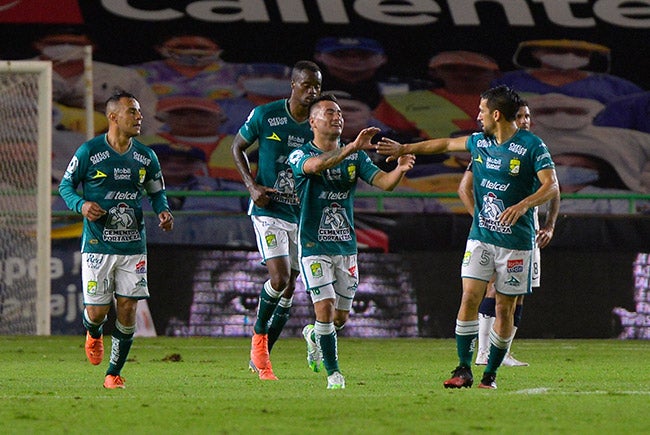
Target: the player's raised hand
(406, 162)
(389, 147)
(362, 142)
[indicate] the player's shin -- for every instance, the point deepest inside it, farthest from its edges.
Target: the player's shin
(328, 343)
(269, 298)
(122, 340)
(278, 320)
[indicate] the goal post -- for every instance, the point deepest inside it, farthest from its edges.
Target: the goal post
(25, 196)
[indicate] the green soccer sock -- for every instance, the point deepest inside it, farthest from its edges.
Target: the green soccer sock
(278, 320)
(268, 301)
(466, 336)
(498, 350)
(122, 340)
(327, 341)
(94, 329)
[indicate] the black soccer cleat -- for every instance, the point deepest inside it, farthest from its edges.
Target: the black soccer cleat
(488, 381)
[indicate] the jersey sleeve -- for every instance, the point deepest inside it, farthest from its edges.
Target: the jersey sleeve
(250, 129)
(154, 184)
(542, 158)
(72, 176)
(367, 169)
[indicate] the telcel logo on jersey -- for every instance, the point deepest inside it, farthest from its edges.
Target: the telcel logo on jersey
(121, 196)
(494, 185)
(334, 196)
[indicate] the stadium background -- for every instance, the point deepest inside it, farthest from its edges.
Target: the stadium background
(592, 266)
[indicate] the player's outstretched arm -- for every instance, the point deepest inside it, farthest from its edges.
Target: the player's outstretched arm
(394, 149)
(329, 159)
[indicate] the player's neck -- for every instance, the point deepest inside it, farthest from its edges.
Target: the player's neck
(298, 111)
(118, 142)
(326, 143)
(505, 132)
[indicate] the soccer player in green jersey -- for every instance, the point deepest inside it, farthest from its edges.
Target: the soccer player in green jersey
(115, 171)
(544, 234)
(513, 172)
(279, 127)
(326, 173)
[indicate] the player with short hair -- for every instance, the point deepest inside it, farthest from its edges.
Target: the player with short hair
(326, 173)
(116, 171)
(487, 313)
(513, 169)
(279, 127)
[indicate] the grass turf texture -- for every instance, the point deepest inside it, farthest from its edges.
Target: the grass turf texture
(393, 387)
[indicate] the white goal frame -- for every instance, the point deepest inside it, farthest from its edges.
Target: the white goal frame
(44, 196)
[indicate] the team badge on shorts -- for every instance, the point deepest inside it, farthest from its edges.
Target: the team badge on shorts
(141, 267)
(316, 270)
(92, 288)
(467, 257)
(271, 241)
(515, 266)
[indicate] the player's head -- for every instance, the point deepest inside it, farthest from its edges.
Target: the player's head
(498, 105)
(306, 81)
(123, 113)
(325, 116)
(523, 116)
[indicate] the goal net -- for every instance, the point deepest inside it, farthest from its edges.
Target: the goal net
(25, 196)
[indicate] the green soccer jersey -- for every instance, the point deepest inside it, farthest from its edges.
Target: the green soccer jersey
(327, 202)
(504, 174)
(277, 133)
(117, 182)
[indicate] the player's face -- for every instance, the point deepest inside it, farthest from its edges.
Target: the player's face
(486, 118)
(327, 119)
(128, 117)
(305, 86)
(523, 118)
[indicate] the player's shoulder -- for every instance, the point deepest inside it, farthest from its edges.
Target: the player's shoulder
(272, 108)
(94, 145)
(528, 138)
(141, 148)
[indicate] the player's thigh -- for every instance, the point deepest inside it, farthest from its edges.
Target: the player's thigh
(97, 278)
(478, 261)
(317, 272)
(347, 280)
(131, 277)
(513, 271)
(276, 238)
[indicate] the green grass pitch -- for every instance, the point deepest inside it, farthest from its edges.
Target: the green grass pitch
(393, 387)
